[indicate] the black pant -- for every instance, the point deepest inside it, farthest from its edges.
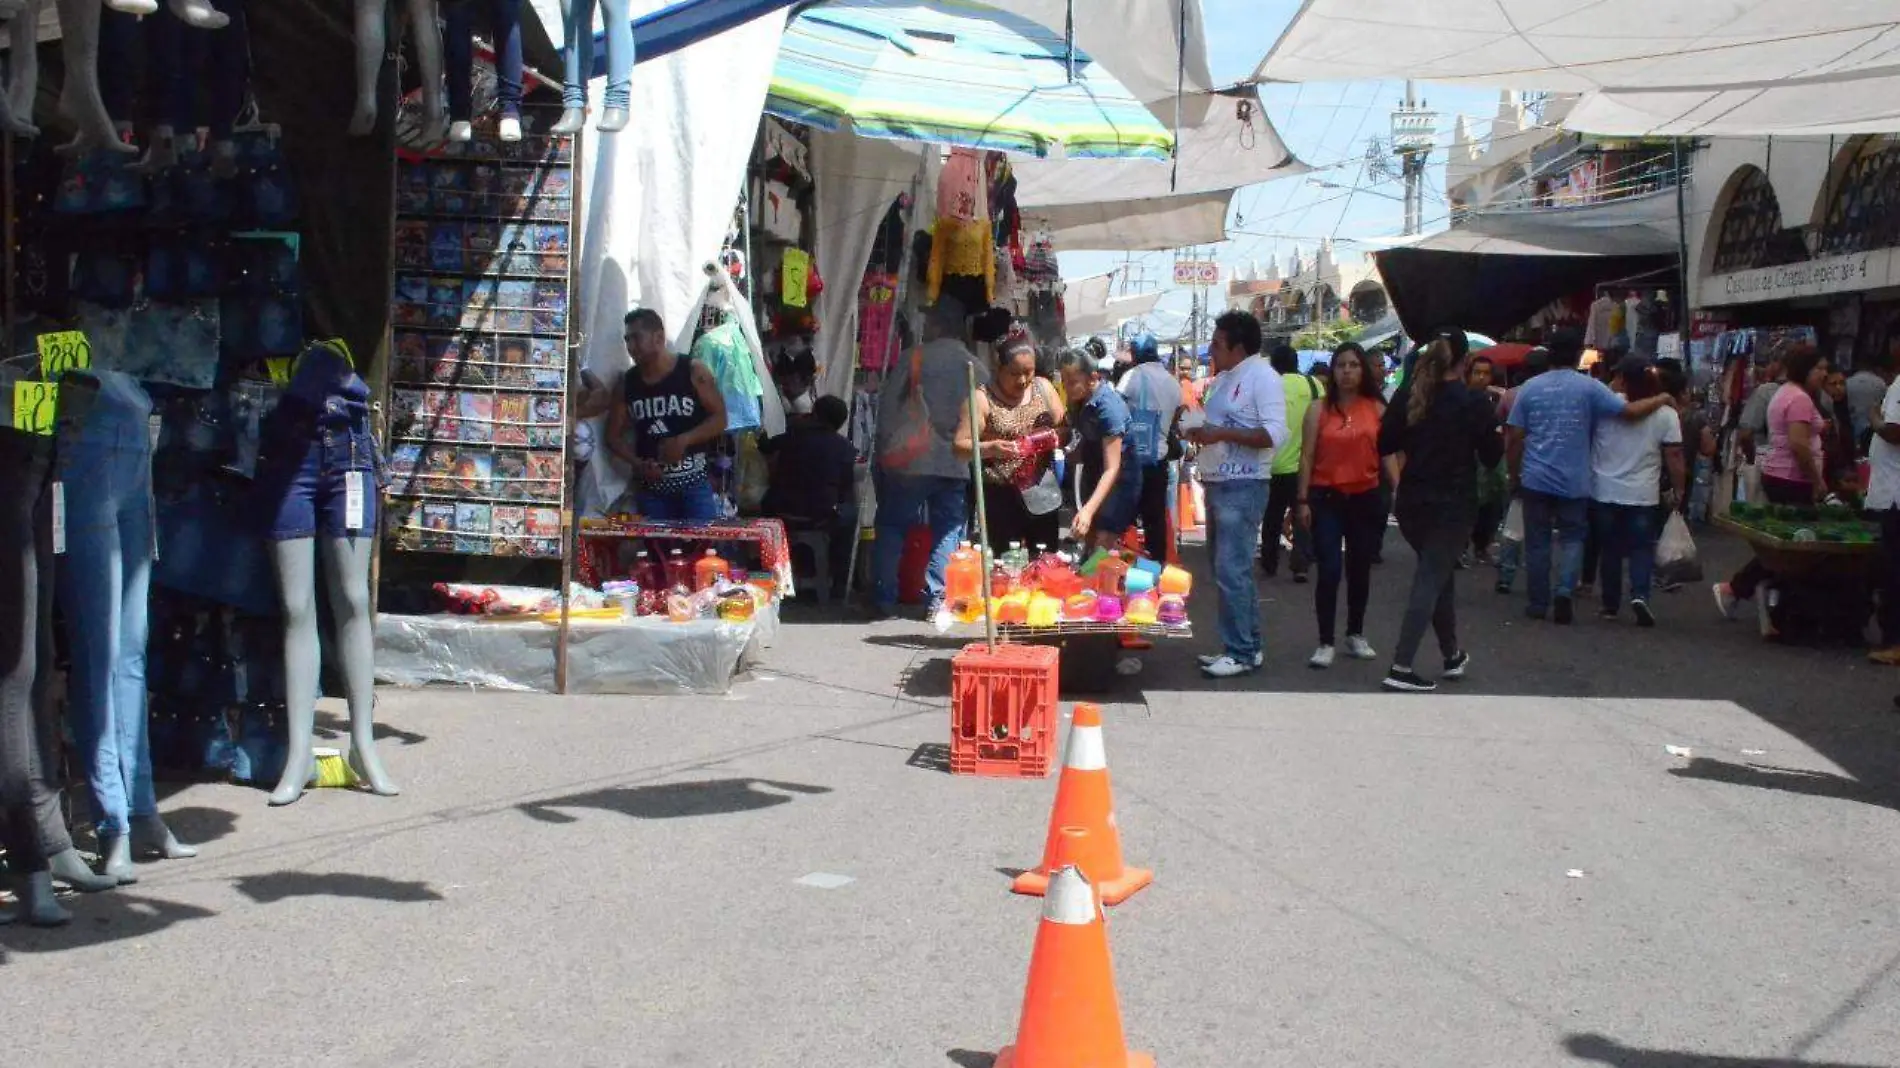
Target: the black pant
(1155, 533)
(1283, 493)
(1485, 531)
(1011, 521)
(1778, 491)
(29, 806)
(1353, 522)
(1438, 538)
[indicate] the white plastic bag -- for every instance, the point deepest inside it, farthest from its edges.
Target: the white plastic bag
(1514, 522)
(1676, 559)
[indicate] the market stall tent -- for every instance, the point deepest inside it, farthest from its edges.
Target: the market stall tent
(1492, 282)
(1138, 206)
(1769, 66)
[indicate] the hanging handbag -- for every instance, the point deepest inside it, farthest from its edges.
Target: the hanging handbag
(911, 439)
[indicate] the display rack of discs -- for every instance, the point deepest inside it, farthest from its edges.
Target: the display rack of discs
(478, 386)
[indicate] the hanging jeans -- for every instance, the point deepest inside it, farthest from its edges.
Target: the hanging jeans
(617, 15)
(458, 47)
(27, 800)
(106, 472)
(179, 59)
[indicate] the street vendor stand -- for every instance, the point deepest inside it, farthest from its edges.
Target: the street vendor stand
(1825, 585)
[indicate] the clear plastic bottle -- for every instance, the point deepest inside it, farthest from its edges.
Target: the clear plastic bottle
(679, 573)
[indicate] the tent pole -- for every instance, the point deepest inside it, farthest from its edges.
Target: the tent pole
(982, 512)
(1682, 257)
(1068, 40)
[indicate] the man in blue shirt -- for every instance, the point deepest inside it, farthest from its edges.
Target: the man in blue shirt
(1550, 429)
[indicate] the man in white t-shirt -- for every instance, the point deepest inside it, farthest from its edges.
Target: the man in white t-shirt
(1246, 419)
(1154, 408)
(1627, 457)
(1883, 500)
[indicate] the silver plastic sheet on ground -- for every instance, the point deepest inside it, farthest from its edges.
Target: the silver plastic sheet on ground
(648, 656)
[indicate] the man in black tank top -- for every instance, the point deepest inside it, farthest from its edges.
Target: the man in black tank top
(669, 411)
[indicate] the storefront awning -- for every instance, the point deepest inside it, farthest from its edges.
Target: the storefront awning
(1492, 282)
(1137, 205)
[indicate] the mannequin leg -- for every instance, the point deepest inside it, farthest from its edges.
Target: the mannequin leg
(23, 59)
(24, 657)
(79, 98)
(508, 66)
(148, 832)
(346, 569)
(618, 15)
(458, 55)
(578, 55)
(129, 7)
(297, 583)
(427, 27)
(91, 584)
(372, 42)
(13, 11)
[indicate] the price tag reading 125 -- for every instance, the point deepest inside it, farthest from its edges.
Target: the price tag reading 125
(65, 351)
(35, 404)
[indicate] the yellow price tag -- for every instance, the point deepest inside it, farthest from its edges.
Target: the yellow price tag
(65, 351)
(35, 404)
(279, 368)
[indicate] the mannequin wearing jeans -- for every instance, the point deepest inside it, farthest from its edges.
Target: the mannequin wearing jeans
(105, 472)
(372, 19)
(459, 42)
(319, 473)
(578, 16)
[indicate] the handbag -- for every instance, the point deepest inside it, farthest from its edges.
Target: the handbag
(912, 440)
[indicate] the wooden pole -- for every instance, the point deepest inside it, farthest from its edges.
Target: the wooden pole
(576, 341)
(982, 513)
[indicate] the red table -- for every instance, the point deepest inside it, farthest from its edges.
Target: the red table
(598, 537)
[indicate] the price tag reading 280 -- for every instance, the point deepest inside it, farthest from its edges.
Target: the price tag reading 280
(65, 351)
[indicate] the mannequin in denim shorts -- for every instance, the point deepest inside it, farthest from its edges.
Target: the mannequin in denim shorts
(318, 471)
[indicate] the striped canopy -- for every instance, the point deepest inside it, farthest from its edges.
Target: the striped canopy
(955, 72)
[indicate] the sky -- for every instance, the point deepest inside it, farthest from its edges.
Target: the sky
(1326, 124)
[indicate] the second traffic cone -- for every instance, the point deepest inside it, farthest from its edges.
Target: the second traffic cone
(1084, 799)
(1071, 1017)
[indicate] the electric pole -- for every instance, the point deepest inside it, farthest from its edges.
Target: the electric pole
(1414, 129)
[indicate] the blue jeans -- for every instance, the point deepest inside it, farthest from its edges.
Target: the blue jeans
(458, 49)
(104, 582)
(903, 501)
(695, 503)
(1568, 515)
(1625, 532)
(579, 53)
(1235, 510)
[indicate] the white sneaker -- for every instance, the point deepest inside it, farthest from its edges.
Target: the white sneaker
(1322, 658)
(1207, 660)
(510, 129)
(461, 132)
(1725, 600)
(1359, 648)
(1226, 667)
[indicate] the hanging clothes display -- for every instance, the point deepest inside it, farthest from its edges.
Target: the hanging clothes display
(962, 245)
(722, 350)
(877, 336)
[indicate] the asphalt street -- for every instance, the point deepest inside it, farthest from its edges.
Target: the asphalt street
(1516, 871)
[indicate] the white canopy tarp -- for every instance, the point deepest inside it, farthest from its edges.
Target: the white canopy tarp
(1562, 45)
(1136, 41)
(1833, 104)
(1109, 317)
(1141, 205)
(856, 179)
(658, 198)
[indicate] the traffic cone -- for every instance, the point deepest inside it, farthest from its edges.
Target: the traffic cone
(1071, 1018)
(1084, 799)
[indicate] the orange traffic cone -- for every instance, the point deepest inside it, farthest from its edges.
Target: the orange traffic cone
(1083, 799)
(1071, 1018)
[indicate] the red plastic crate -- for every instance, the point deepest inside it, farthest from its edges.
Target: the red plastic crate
(1003, 710)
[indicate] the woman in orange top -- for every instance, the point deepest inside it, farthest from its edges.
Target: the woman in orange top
(1339, 497)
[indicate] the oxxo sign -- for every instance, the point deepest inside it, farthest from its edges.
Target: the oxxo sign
(1197, 273)
(1812, 278)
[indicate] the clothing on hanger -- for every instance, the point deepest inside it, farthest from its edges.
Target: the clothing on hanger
(963, 189)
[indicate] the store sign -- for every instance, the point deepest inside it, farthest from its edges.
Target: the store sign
(1197, 273)
(1814, 278)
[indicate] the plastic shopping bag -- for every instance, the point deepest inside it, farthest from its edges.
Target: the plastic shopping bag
(1676, 560)
(1514, 522)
